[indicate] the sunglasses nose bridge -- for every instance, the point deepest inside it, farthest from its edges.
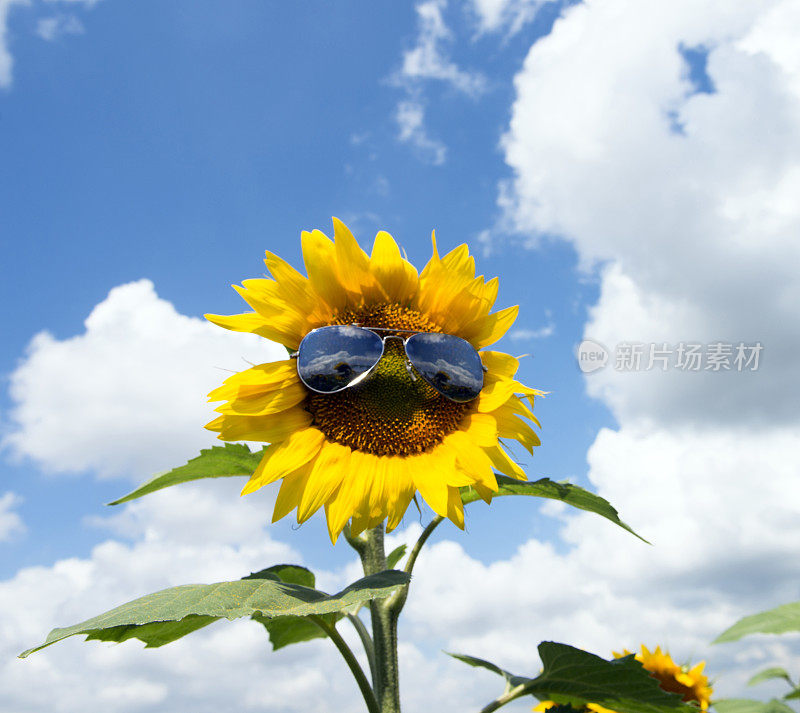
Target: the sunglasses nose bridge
(409, 365)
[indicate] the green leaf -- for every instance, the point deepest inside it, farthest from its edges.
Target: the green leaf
(231, 600)
(746, 705)
(769, 673)
(546, 488)
(395, 556)
(287, 573)
(483, 663)
(285, 630)
(774, 621)
(155, 634)
(215, 462)
(791, 696)
(574, 676)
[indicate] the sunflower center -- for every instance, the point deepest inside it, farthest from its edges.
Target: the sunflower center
(394, 411)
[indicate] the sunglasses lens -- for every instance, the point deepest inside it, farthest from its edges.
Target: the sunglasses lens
(449, 364)
(332, 358)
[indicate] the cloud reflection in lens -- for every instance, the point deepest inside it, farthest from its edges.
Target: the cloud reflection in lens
(332, 358)
(449, 364)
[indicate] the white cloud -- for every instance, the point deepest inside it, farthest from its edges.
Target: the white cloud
(51, 28)
(10, 522)
(723, 547)
(699, 225)
(201, 532)
(6, 60)
(524, 335)
(410, 119)
(427, 59)
(47, 28)
(128, 396)
(686, 199)
(496, 15)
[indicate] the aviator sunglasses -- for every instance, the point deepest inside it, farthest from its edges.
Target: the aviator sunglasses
(334, 358)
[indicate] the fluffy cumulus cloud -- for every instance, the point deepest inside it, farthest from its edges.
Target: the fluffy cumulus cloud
(195, 533)
(128, 396)
(722, 547)
(662, 140)
(10, 522)
(681, 178)
(681, 186)
(603, 591)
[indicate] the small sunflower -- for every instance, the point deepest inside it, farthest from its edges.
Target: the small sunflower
(689, 683)
(363, 452)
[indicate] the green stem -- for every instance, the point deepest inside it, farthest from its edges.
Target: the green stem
(352, 662)
(397, 601)
(507, 697)
(369, 546)
(366, 641)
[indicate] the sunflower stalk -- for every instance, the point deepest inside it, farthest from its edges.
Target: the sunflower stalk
(352, 662)
(397, 601)
(500, 701)
(370, 548)
(366, 642)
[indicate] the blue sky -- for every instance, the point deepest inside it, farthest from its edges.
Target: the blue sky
(628, 173)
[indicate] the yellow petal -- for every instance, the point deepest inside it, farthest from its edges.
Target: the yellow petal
(509, 425)
(494, 394)
(256, 324)
(264, 373)
(353, 267)
(263, 404)
(397, 276)
(270, 429)
(330, 467)
(282, 459)
(499, 364)
(481, 428)
(400, 491)
(502, 462)
(259, 380)
(491, 328)
(517, 406)
(455, 508)
(483, 492)
(430, 471)
(295, 288)
(344, 502)
(472, 460)
(291, 490)
(319, 254)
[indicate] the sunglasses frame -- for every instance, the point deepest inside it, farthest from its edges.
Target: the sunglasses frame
(409, 365)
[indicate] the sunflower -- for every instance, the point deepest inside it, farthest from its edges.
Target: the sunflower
(364, 452)
(689, 683)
